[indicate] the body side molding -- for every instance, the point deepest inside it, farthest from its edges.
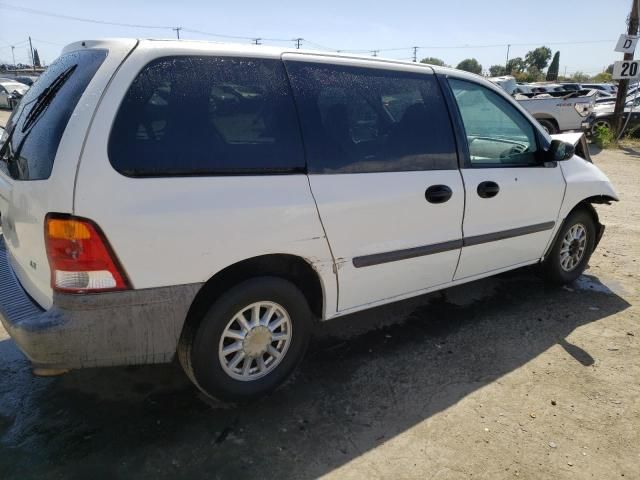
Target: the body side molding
(404, 254)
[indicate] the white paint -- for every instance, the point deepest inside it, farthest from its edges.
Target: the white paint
(528, 196)
(584, 180)
(383, 212)
(169, 231)
(28, 202)
(626, 44)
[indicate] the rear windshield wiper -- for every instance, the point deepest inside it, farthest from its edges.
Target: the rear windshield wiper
(14, 126)
(45, 98)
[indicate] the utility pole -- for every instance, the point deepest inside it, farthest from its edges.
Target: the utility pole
(298, 42)
(507, 63)
(256, 41)
(623, 85)
(565, 71)
(13, 55)
(415, 54)
(374, 52)
(33, 63)
(177, 30)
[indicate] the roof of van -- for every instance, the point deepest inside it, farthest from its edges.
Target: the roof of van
(239, 48)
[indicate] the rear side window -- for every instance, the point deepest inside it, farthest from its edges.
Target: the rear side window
(43, 113)
(207, 116)
(358, 120)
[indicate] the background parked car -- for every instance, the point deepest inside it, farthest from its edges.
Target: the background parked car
(27, 80)
(11, 93)
(604, 117)
(605, 87)
(574, 87)
(556, 109)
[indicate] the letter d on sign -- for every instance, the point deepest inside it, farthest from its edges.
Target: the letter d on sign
(626, 44)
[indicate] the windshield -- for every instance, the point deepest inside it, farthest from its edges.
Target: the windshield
(37, 124)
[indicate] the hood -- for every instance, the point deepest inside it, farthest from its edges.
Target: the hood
(572, 138)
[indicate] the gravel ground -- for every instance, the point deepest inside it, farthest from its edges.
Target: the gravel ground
(4, 116)
(500, 378)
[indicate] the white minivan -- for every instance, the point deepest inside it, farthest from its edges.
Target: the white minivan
(210, 201)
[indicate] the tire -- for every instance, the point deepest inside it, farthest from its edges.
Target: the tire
(556, 268)
(548, 125)
(214, 374)
(601, 123)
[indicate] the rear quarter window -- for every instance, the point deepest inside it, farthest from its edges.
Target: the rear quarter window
(35, 147)
(193, 115)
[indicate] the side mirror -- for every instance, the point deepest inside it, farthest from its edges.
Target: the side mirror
(560, 150)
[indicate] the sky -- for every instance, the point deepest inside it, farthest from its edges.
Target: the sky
(451, 30)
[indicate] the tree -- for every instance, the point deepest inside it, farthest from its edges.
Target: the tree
(470, 65)
(552, 73)
(497, 70)
(515, 65)
(609, 69)
(580, 77)
(36, 58)
(538, 58)
(433, 61)
(602, 77)
(531, 75)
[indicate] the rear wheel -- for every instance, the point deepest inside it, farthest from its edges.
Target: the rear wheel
(548, 125)
(572, 249)
(249, 341)
(599, 124)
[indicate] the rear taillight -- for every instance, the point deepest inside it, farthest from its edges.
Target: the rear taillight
(80, 257)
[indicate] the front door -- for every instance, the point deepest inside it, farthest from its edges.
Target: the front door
(512, 196)
(383, 170)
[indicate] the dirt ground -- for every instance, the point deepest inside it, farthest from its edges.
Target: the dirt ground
(498, 379)
(4, 116)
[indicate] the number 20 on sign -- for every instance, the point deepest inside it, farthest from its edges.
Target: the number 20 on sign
(626, 69)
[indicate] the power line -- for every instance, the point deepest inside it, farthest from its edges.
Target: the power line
(79, 19)
(324, 47)
(237, 37)
(495, 45)
(258, 40)
(48, 42)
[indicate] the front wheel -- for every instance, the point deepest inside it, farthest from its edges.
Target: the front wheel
(548, 125)
(249, 341)
(572, 249)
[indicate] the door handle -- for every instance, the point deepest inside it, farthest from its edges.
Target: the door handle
(438, 194)
(488, 189)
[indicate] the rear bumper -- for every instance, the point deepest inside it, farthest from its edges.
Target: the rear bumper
(121, 328)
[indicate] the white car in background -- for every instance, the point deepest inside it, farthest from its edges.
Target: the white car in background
(11, 93)
(210, 201)
(557, 111)
(604, 87)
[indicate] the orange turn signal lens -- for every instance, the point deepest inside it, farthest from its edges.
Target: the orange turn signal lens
(67, 229)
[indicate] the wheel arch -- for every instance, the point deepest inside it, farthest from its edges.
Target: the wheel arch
(290, 267)
(548, 117)
(587, 205)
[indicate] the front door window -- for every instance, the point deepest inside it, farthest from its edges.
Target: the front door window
(497, 134)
